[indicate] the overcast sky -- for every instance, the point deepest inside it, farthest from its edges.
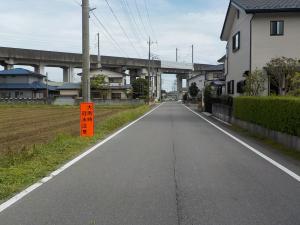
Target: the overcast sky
(56, 25)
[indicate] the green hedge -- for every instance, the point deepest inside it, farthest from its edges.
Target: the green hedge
(275, 113)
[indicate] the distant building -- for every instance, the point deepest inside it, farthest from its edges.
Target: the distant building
(115, 87)
(71, 90)
(209, 74)
(22, 83)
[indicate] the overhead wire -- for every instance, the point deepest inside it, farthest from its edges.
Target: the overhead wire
(149, 20)
(131, 20)
(140, 18)
(122, 28)
(109, 34)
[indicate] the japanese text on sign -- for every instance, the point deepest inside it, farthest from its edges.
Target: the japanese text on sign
(87, 119)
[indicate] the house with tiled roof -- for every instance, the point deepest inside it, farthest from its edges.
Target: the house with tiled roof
(257, 31)
(22, 83)
(206, 74)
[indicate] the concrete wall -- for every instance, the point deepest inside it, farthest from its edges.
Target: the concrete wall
(123, 95)
(265, 47)
(69, 93)
(239, 61)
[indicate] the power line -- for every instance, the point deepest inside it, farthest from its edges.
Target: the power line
(148, 17)
(115, 16)
(140, 17)
(130, 19)
(143, 35)
(107, 36)
(108, 33)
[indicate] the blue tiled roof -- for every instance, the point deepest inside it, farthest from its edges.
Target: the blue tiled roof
(19, 72)
(23, 86)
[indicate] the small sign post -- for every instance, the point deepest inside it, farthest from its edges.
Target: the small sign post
(87, 119)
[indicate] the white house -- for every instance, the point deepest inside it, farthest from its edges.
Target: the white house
(115, 88)
(256, 32)
(208, 74)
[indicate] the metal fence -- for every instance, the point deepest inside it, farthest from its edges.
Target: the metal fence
(25, 101)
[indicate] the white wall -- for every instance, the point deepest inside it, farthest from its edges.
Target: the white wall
(199, 80)
(265, 47)
(239, 61)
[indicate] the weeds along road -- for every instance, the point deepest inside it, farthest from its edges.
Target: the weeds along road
(169, 168)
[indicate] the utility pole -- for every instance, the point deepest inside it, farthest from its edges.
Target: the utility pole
(86, 89)
(47, 87)
(149, 69)
(176, 54)
(99, 55)
(193, 54)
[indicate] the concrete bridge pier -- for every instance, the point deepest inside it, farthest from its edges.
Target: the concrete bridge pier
(133, 75)
(39, 69)
(68, 74)
(179, 87)
(8, 66)
(158, 86)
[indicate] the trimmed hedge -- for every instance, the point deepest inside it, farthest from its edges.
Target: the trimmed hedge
(275, 113)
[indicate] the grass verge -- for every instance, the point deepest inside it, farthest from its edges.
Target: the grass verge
(19, 170)
(292, 153)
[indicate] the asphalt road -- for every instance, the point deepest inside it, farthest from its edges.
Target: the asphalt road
(170, 168)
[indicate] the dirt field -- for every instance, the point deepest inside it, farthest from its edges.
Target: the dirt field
(24, 126)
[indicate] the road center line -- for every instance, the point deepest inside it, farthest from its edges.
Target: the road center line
(276, 164)
(28, 190)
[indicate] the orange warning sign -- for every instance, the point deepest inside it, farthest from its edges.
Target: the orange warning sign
(87, 119)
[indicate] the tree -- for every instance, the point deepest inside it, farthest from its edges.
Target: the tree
(295, 85)
(208, 99)
(98, 82)
(194, 90)
(281, 71)
(255, 83)
(140, 88)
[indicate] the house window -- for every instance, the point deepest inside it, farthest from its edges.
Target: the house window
(277, 28)
(236, 42)
(115, 80)
(116, 96)
(237, 14)
(241, 87)
(230, 87)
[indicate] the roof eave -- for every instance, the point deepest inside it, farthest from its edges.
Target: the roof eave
(251, 11)
(225, 21)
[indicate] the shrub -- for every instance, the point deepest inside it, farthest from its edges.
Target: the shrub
(194, 90)
(208, 99)
(255, 83)
(276, 113)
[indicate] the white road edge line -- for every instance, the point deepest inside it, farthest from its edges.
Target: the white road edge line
(276, 164)
(28, 190)
(216, 118)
